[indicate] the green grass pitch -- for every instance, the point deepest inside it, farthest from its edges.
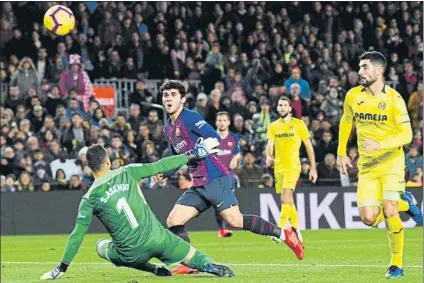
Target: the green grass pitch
(342, 256)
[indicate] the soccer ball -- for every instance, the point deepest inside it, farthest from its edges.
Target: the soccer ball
(59, 20)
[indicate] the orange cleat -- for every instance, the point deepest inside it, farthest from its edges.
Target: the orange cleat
(182, 269)
(224, 233)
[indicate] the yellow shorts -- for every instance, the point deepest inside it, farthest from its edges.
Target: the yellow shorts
(372, 188)
(286, 180)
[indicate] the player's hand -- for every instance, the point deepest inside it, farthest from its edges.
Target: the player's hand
(206, 147)
(162, 270)
(269, 162)
(342, 163)
(370, 144)
(233, 163)
(55, 273)
(313, 175)
(157, 178)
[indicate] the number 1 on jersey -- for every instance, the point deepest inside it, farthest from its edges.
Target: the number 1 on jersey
(122, 204)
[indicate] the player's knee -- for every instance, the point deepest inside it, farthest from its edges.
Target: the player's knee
(101, 248)
(390, 208)
(172, 220)
(234, 219)
(287, 196)
(369, 219)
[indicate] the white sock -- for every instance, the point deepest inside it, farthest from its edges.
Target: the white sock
(283, 235)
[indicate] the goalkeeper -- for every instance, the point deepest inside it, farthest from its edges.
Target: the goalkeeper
(137, 235)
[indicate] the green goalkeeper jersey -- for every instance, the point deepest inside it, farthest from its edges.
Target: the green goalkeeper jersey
(117, 201)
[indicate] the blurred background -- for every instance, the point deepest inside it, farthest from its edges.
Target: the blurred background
(100, 83)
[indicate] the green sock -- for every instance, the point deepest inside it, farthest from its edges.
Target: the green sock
(199, 260)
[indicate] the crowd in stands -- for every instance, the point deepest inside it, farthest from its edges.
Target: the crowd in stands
(245, 54)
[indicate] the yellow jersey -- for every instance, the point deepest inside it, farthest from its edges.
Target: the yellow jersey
(287, 137)
(376, 117)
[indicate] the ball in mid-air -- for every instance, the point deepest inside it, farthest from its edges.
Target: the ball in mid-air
(59, 20)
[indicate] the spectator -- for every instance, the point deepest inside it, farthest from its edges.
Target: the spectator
(120, 151)
(76, 79)
(328, 174)
(249, 171)
(305, 167)
(10, 184)
(325, 146)
(415, 106)
(136, 117)
(263, 119)
(75, 137)
(413, 160)
(202, 104)
(267, 182)
(75, 183)
(53, 100)
(14, 99)
(73, 108)
(46, 187)
(415, 181)
(155, 125)
(26, 77)
(305, 91)
(214, 65)
(25, 182)
(418, 140)
(60, 179)
(149, 154)
(333, 106)
(9, 164)
(121, 125)
(215, 105)
(299, 105)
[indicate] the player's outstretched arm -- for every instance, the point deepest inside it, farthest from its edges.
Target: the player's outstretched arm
(72, 247)
(84, 218)
(202, 150)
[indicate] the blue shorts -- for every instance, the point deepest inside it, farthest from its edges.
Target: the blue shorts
(219, 193)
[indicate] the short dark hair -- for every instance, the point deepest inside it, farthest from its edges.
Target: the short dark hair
(172, 84)
(221, 113)
(285, 98)
(117, 136)
(375, 57)
(96, 157)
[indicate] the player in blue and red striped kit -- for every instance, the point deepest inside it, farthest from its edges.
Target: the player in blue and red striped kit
(212, 185)
(229, 156)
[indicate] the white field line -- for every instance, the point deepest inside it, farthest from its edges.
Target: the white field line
(230, 264)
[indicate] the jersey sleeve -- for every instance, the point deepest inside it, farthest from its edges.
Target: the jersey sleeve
(347, 107)
(400, 110)
(197, 124)
(271, 131)
(140, 171)
(85, 212)
(236, 149)
(303, 131)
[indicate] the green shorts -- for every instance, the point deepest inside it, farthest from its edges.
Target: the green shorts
(172, 249)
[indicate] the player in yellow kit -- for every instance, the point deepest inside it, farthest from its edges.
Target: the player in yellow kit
(383, 127)
(285, 137)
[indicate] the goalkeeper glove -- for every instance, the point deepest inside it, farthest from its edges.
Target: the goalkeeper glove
(202, 149)
(55, 273)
